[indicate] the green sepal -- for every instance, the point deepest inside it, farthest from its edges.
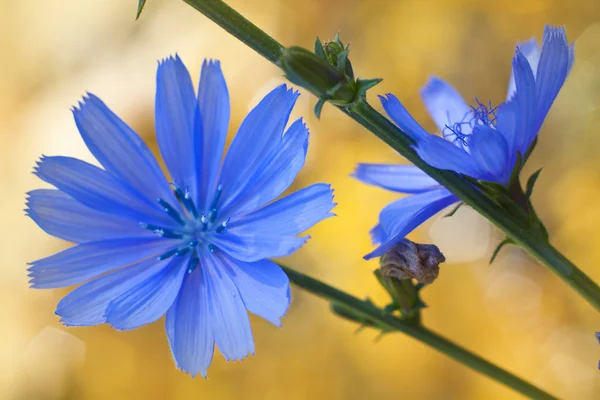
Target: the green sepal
(365, 84)
(141, 4)
(499, 247)
(514, 175)
(530, 149)
(404, 294)
(319, 50)
(319, 107)
(531, 182)
(454, 210)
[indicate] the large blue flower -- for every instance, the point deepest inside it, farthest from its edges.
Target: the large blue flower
(481, 141)
(195, 249)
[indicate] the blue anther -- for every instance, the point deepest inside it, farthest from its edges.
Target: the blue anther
(189, 204)
(171, 211)
(212, 215)
(192, 265)
(185, 199)
(217, 196)
(223, 227)
(162, 232)
(166, 255)
(193, 243)
(182, 250)
(204, 222)
(211, 248)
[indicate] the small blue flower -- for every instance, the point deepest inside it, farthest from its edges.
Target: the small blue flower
(195, 249)
(481, 141)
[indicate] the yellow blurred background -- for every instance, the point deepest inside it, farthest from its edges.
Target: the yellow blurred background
(514, 312)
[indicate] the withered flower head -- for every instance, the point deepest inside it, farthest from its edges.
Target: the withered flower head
(408, 260)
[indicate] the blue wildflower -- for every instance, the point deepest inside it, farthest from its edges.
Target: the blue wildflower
(195, 249)
(482, 141)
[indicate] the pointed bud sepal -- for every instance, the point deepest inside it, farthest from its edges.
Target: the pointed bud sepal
(405, 296)
(141, 4)
(314, 73)
(327, 73)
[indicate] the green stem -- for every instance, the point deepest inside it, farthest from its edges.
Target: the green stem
(422, 334)
(363, 113)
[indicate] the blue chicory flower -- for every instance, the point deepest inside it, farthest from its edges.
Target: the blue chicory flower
(196, 249)
(482, 141)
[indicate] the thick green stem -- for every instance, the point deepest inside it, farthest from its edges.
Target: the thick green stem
(363, 113)
(420, 333)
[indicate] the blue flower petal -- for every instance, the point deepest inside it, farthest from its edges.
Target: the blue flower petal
(188, 325)
(175, 109)
(442, 154)
(490, 152)
(290, 215)
(526, 101)
(97, 189)
(213, 101)
(555, 58)
(398, 178)
(378, 235)
(86, 305)
(60, 215)
(82, 262)
(445, 105)
(120, 150)
(531, 52)
(149, 300)
(263, 285)
(400, 115)
(251, 246)
(275, 175)
(507, 118)
(399, 218)
(228, 315)
(258, 137)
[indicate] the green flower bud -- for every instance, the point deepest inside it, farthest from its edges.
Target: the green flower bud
(336, 54)
(314, 73)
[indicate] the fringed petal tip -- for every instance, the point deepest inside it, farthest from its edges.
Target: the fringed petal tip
(170, 58)
(552, 32)
(86, 100)
(211, 63)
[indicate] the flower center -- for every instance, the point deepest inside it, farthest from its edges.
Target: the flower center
(194, 229)
(481, 114)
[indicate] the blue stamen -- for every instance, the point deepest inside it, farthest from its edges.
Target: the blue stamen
(456, 131)
(171, 211)
(223, 227)
(184, 198)
(162, 232)
(166, 255)
(193, 243)
(182, 250)
(204, 222)
(211, 248)
(192, 265)
(213, 205)
(485, 115)
(212, 215)
(189, 204)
